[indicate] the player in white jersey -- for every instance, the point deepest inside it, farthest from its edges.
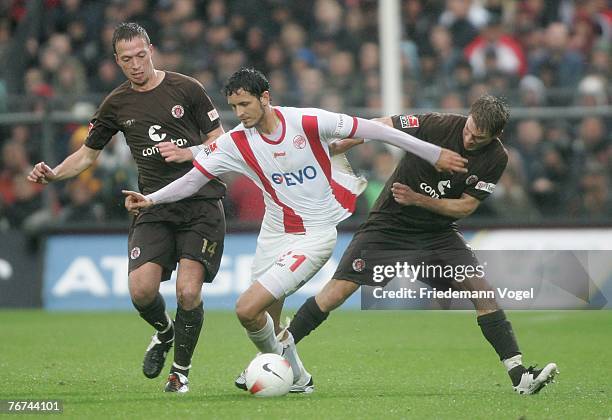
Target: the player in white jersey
(287, 153)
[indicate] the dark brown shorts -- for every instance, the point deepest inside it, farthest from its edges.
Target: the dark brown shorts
(370, 248)
(192, 229)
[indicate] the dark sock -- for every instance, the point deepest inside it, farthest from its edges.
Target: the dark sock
(187, 328)
(155, 314)
(306, 319)
(498, 331)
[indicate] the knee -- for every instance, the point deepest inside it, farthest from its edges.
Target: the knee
(141, 294)
(188, 296)
(247, 314)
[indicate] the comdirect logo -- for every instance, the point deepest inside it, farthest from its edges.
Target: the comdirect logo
(154, 134)
(294, 178)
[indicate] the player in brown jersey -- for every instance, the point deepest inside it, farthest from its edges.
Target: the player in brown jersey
(415, 214)
(163, 116)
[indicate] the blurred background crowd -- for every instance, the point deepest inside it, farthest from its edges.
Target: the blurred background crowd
(549, 59)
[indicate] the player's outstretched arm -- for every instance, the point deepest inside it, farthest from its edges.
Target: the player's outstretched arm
(184, 187)
(457, 208)
(172, 153)
(442, 159)
(70, 167)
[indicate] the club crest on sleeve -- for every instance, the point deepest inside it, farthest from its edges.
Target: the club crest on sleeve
(409, 121)
(178, 111)
(135, 253)
(89, 127)
(358, 265)
(299, 142)
(471, 180)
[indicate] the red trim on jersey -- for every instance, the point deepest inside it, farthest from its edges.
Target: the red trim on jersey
(283, 124)
(344, 196)
(352, 133)
(204, 171)
(293, 223)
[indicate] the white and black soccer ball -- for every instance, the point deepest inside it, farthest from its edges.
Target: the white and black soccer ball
(269, 375)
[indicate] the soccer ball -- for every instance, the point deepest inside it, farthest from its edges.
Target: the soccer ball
(269, 375)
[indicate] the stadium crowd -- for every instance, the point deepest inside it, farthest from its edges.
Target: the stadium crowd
(321, 53)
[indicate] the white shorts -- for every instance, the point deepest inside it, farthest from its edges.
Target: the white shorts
(284, 262)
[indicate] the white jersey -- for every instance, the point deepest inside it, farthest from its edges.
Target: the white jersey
(302, 189)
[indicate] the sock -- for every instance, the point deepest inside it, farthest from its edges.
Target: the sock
(498, 331)
(265, 339)
(155, 314)
(187, 328)
(515, 368)
(290, 353)
(306, 319)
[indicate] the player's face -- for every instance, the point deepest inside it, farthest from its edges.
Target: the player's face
(135, 57)
(249, 109)
(473, 137)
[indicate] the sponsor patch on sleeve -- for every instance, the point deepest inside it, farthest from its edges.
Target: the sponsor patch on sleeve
(210, 148)
(213, 115)
(340, 126)
(485, 186)
(409, 121)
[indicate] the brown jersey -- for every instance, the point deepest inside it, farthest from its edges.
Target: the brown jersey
(485, 167)
(177, 110)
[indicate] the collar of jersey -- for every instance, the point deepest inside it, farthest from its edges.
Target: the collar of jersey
(282, 136)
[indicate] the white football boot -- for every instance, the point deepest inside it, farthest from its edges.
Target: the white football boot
(533, 380)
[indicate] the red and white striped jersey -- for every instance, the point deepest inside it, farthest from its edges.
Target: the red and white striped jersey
(302, 189)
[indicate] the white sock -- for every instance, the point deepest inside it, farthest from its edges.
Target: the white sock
(265, 339)
(513, 362)
(291, 354)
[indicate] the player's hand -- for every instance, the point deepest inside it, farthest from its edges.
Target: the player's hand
(41, 174)
(341, 146)
(404, 195)
(135, 201)
(450, 161)
(172, 153)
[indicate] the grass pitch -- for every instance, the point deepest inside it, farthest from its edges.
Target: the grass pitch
(410, 364)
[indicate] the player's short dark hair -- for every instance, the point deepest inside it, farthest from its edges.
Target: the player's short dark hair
(490, 114)
(127, 31)
(248, 79)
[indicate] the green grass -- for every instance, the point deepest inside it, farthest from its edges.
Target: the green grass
(379, 365)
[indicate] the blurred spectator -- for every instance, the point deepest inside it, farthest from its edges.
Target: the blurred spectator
(446, 56)
(383, 166)
(246, 200)
(81, 207)
(19, 198)
(495, 50)
(556, 64)
(550, 181)
(594, 201)
(532, 91)
(510, 200)
(463, 18)
(529, 137)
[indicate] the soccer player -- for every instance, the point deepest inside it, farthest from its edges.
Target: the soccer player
(163, 116)
(416, 213)
(286, 153)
